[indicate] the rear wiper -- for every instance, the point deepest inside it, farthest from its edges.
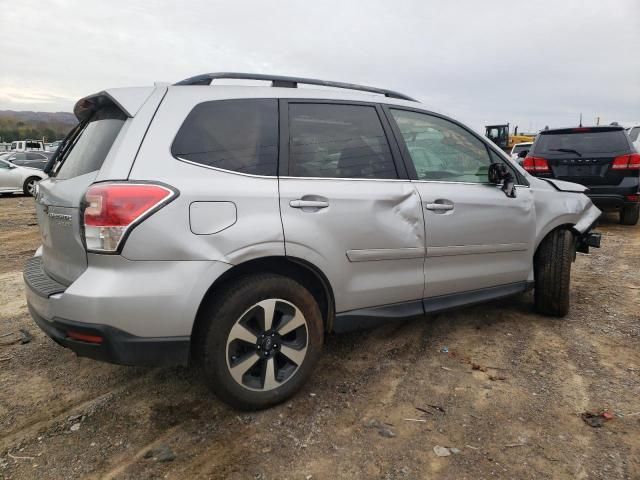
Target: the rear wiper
(63, 148)
(566, 150)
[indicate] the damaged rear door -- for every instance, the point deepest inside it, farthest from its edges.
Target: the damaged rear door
(346, 204)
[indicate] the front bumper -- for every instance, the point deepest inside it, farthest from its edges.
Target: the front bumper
(142, 311)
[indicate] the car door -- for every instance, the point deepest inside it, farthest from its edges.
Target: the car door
(347, 206)
(478, 239)
(36, 160)
(10, 177)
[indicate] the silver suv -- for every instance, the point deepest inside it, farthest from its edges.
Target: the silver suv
(237, 225)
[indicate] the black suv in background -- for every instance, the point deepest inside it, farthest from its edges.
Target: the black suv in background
(600, 158)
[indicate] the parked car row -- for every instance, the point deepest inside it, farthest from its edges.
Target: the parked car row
(235, 226)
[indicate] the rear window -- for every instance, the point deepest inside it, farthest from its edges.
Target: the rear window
(91, 144)
(586, 143)
(236, 135)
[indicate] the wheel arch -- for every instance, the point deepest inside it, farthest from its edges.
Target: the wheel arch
(560, 223)
(307, 274)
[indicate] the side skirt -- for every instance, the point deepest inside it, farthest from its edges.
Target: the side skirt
(374, 316)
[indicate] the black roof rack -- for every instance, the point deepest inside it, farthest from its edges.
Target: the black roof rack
(288, 82)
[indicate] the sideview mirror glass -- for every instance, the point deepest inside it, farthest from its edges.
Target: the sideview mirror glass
(499, 173)
(523, 153)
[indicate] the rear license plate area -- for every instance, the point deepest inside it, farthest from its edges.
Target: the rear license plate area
(577, 170)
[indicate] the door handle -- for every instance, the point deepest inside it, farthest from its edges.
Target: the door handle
(308, 204)
(439, 207)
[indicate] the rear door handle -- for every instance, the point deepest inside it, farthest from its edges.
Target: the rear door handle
(439, 207)
(308, 204)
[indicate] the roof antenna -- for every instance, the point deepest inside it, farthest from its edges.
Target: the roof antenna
(580, 119)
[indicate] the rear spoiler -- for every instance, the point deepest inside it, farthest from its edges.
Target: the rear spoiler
(129, 100)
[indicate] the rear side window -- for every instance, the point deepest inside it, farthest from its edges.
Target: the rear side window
(237, 135)
(585, 143)
(90, 146)
(634, 133)
(338, 141)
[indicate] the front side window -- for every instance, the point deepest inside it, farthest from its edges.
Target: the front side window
(441, 150)
(338, 141)
(237, 135)
(4, 164)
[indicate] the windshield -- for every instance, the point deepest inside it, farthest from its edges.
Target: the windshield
(585, 143)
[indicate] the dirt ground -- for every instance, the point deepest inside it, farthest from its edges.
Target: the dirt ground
(376, 407)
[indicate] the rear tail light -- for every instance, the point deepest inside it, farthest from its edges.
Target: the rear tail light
(536, 165)
(633, 198)
(113, 209)
(626, 162)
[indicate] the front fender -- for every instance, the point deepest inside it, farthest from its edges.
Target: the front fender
(556, 208)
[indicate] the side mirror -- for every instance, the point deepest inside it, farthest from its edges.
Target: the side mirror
(12, 166)
(523, 153)
(499, 173)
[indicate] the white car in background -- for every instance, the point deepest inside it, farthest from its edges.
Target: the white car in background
(17, 179)
(634, 135)
(517, 148)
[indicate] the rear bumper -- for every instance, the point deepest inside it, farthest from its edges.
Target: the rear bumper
(614, 197)
(610, 201)
(116, 346)
(142, 311)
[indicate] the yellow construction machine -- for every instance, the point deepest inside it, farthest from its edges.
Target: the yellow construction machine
(499, 134)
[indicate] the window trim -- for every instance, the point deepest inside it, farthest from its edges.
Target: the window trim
(284, 159)
(406, 156)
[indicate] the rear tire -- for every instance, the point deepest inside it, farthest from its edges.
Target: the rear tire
(552, 270)
(29, 187)
(247, 360)
(629, 215)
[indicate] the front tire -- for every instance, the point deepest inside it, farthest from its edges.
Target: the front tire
(552, 271)
(261, 338)
(29, 187)
(629, 215)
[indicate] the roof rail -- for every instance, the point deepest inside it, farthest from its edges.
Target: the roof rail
(288, 82)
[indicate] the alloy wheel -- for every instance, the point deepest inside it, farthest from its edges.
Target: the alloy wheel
(267, 345)
(31, 187)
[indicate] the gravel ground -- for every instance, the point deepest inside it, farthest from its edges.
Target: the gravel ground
(504, 400)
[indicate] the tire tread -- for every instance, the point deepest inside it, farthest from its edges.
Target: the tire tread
(552, 270)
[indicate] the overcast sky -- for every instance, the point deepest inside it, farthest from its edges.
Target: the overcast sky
(531, 63)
